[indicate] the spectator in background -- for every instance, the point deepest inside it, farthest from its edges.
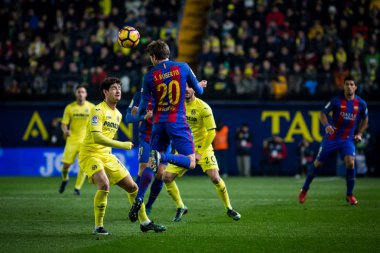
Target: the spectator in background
(55, 134)
(221, 146)
(306, 154)
(244, 147)
(275, 152)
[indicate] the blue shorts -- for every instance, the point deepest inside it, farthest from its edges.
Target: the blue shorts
(144, 150)
(345, 148)
(178, 133)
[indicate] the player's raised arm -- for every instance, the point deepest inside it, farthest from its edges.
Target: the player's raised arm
(132, 110)
(145, 97)
(193, 82)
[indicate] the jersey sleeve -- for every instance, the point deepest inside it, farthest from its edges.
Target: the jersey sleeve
(208, 117)
(192, 81)
(364, 111)
(66, 116)
(329, 107)
(97, 120)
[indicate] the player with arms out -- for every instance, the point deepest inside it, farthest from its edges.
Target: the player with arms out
(145, 173)
(165, 83)
(347, 110)
(97, 160)
(74, 118)
(201, 121)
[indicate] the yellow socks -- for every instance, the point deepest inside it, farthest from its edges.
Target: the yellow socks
(100, 205)
(64, 173)
(143, 218)
(173, 191)
(221, 189)
(80, 179)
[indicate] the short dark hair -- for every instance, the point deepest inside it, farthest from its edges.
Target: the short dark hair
(159, 49)
(350, 78)
(81, 86)
(106, 84)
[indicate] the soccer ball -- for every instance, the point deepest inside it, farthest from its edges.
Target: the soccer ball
(128, 37)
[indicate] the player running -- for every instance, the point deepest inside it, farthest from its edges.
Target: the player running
(201, 121)
(100, 165)
(75, 117)
(347, 110)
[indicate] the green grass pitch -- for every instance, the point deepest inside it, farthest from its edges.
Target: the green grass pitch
(35, 218)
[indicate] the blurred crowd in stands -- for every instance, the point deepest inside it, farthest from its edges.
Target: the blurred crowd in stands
(295, 49)
(253, 49)
(48, 47)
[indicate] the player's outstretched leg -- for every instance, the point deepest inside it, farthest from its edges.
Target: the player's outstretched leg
(155, 190)
(303, 192)
(152, 226)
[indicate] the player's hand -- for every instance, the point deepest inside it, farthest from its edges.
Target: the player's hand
(128, 145)
(329, 130)
(198, 157)
(358, 137)
(67, 133)
(203, 83)
(148, 115)
(134, 110)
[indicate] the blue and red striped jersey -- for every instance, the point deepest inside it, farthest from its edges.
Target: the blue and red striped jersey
(346, 114)
(166, 83)
(145, 126)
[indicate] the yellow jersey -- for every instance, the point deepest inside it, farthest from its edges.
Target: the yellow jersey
(200, 119)
(102, 119)
(76, 116)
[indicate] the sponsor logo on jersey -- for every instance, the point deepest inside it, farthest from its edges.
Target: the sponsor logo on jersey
(94, 120)
(111, 125)
(348, 115)
(193, 119)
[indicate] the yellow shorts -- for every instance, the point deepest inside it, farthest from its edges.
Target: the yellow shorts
(208, 162)
(113, 168)
(70, 152)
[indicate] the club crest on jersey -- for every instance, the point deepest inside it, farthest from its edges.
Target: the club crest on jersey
(94, 167)
(94, 120)
(193, 112)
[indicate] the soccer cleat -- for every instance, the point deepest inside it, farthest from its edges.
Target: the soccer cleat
(302, 196)
(134, 211)
(179, 213)
(76, 192)
(148, 210)
(233, 214)
(63, 186)
(152, 226)
(100, 231)
(352, 200)
(155, 157)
